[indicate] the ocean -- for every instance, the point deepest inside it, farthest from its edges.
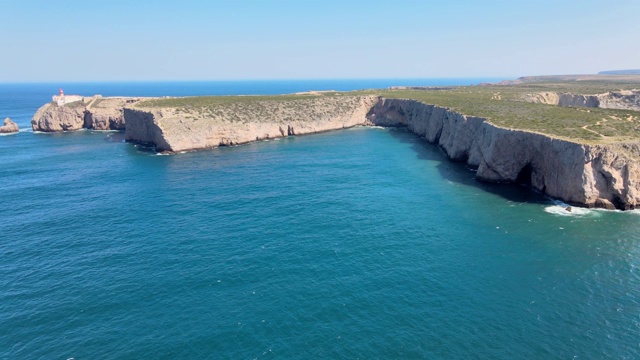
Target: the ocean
(361, 243)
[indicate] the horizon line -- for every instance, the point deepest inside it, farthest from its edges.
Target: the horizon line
(259, 79)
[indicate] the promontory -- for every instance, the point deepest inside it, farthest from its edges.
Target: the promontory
(574, 138)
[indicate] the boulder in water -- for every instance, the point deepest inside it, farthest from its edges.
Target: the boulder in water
(9, 127)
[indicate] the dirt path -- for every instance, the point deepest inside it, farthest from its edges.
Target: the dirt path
(586, 127)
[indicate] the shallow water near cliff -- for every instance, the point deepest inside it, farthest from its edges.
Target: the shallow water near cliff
(363, 243)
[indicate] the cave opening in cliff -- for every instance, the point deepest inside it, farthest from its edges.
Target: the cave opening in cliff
(524, 176)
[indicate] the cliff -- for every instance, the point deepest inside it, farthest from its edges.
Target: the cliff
(95, 113)
(604, 176)
(9, 127)
(623, 100)
(175, 129)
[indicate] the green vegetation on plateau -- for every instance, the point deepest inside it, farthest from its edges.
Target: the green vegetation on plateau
(503, 105)
(194, 102)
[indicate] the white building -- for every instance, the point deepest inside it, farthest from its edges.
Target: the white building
(66, 99)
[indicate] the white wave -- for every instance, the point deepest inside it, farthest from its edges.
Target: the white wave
(563, 209)
(559, 208)
(8, 134)
(162, 154)
(104, 131)
(60, 132)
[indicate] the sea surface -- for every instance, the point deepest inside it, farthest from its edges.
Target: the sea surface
(363, 243)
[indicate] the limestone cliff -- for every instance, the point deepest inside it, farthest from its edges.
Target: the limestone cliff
(175, 129)
(605, 176)
(52, 117)
(9, 127)
(595, 176)
(94, 113)
(623, 100)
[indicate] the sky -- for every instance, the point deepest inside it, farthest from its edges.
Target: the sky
(114, 40)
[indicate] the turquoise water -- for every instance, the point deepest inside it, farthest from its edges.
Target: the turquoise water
(363, 243)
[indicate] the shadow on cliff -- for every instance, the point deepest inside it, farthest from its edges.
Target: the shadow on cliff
(460, 173)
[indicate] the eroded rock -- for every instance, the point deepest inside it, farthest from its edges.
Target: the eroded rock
(9, 127)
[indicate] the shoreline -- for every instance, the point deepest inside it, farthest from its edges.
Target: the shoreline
(578, 172)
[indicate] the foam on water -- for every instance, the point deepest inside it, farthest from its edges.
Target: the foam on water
(560, 208)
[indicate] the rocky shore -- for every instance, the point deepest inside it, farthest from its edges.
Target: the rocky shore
(604, 176)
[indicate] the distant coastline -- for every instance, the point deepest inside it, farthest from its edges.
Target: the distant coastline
(621, 72)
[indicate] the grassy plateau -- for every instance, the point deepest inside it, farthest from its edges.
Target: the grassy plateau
(502, 104)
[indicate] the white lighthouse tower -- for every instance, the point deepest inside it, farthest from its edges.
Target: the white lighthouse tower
(62, 99)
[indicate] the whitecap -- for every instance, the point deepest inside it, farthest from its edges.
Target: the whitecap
(563, 209)
(105, 131)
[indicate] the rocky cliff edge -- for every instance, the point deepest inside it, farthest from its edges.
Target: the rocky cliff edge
(622, 100)
(176, 129)
(605, 176)
(96, 113)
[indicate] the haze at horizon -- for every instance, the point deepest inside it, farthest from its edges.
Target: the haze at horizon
(202, 40)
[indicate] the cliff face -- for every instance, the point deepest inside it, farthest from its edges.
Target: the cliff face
(623, 100)
(52, 117)
(96, 114)
(171, 129)
(594, 176)
(605, 176)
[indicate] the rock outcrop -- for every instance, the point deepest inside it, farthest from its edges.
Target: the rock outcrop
(95, 113)
(174, 130)
(622, 100)
(9, 127)
(51, 117)
(605, 176)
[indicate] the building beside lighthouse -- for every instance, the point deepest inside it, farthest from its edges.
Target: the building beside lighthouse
(62, 99)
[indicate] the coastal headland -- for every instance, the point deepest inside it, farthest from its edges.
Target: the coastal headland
(574, 138)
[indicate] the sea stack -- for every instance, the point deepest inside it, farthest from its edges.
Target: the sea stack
(9, 127)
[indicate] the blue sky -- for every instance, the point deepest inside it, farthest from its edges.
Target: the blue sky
(67, 40)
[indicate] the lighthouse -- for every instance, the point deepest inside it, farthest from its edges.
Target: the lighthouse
(61, 99)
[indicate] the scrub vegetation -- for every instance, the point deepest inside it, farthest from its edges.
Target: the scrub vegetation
(502, 104)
